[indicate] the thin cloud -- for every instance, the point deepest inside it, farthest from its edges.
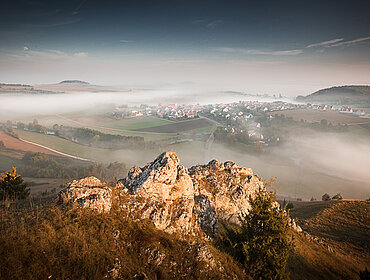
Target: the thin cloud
(261, 52)
(126, 41)
(199, 21)
(81, 54)
(77, 10)
(325, 43)
(214, 23)
(352, 42)
(207, 23)
(52, 55)
(57, 23)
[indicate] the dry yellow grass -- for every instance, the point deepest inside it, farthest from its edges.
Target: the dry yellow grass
(344, 226)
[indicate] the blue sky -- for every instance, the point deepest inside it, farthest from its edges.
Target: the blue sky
(258, 46)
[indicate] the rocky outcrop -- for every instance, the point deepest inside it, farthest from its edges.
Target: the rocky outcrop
(87, 193)
(227, 185)
(163, 192)
(174, 199)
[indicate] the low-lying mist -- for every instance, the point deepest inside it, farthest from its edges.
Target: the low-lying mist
(304, 166)
(15, 106)
(307, 165)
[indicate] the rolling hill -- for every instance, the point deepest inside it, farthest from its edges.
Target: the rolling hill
(339, 95)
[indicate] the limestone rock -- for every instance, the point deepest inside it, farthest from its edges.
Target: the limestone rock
(161, 191)
(227, 185)
(206, 214)
(175, 199)
(87, 193)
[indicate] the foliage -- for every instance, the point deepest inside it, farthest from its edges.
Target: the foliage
(289, 206)
(41, 165)
(364, 274)
(262, 243)
(12, 186)
(96, 138)
(325, 197)
(338, 196)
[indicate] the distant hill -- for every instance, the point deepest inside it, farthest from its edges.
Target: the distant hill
(73, 82)
(339, 95)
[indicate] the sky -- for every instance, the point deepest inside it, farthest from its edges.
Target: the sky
(286, 47)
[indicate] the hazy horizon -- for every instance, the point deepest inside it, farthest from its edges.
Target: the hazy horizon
(268, 48)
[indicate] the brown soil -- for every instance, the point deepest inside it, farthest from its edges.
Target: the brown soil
(16, 144)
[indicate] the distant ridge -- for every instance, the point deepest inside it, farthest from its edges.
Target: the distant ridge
(74, 82)
(339, 95)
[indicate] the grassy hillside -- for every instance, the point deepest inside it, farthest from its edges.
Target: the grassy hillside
(339, 95)
(81, 244)
(56, 243)
(340, 240)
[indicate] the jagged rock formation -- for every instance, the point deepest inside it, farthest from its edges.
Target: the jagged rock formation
(175, 199)
(161, 191)
(87, 193)
(227, 185)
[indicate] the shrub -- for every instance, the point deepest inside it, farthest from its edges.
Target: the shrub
(326, 197)
(338, 196)
(12, 186)
(262, 243)
(289, 206)
(364, 274)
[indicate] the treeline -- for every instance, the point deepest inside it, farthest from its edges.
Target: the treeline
(82, 135)
(40, 165)
(96, 138)
(226, 135)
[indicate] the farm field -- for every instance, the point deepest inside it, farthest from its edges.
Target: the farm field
(317, 116)
(16, 144)
(137, 123)
(107, 125)
(180, 126)
(130, 157)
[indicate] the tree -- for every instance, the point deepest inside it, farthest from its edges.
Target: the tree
(263, 242)
(325, 197)
(290, 205)
(12, 186)
(338, 196)
(2, 145)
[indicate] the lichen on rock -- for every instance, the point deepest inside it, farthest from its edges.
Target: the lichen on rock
(87, 193)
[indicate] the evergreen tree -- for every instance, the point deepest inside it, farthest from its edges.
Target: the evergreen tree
(12, 186)
(263, 243)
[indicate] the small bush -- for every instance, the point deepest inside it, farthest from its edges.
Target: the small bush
(338, 196)
(12, 186)
(326, 197)
(289, 206)
(364, 274)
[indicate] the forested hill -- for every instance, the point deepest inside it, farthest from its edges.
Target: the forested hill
(339, 95)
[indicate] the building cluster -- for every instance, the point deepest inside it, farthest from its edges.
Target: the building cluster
(340, 109)
(170, 111)
(175, 111)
